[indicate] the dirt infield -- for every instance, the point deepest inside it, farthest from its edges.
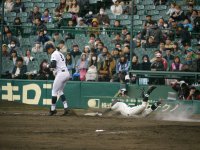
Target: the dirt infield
(26, 127)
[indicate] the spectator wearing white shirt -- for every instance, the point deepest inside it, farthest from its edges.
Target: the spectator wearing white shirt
(28, 57)
(62, 47)
(116, 8)
(8, 6)
(171, 9)
(37, 47)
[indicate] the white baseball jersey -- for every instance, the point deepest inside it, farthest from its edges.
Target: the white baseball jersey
(62, 73)
(60, 61)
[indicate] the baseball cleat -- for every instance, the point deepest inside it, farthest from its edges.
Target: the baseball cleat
(150, 89)
(69, 112)
(51, 113)
(66, 112)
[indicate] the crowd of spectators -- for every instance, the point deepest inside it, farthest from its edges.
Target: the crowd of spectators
(168, 40)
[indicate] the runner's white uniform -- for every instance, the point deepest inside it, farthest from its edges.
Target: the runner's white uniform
(62, 73)
(137, 111)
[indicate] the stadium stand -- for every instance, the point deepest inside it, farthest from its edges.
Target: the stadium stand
(148, 29)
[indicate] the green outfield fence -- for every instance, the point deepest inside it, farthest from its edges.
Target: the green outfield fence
(80, 93)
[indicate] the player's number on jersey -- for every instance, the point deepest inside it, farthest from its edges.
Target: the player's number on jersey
(62, 57)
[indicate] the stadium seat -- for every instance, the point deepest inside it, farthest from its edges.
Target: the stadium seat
(161, 7)
(40, 5)
(11, 14)
(112, 16)
(7, 66)
(50, 25)
(22, 14)
(147, 2)
(141, 12)
(137, 17)
(50, 5)
(150, 7)
(25, 41)
(10, 19)
(153, 12)
(37, 1)
(143, 17)
(27, 1)
(67, 16)
(32, 66)
(126, 22)
(140, 7)
(156, 17)
(48, 1)
(137, 22)
(93, 1)
(122, 17)
(28, 4)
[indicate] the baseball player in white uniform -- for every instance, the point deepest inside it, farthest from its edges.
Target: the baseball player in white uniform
(61, 77)
(136, 111)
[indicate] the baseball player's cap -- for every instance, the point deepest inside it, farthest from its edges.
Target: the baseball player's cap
(48, 46)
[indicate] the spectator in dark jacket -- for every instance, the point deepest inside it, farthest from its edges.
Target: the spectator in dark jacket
(182, 89)
(42, 38)
(18, 30)
(169, 57)
(39, 25)
(44, 72)
(135, 63)
(194, 94)
(150, 43)
(196, 63)
(9, 37)
(18, 6)
(75, 53)
(155, 32)
(34, 14)
(19, 69)
(158, 65)
(102, 17)
(178, 15)
(146, 64)
(196, 22)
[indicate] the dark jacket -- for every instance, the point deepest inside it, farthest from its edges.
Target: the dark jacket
(135, 66)
(36, 28)
(22, 74)
(103, 18)
(32, 16)
(43, 39)
(158, 66)
(169, 58)
(12, 38)
(145, 66)
(183, 90)
(180, 17)
(197, 24)
(18, 6)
